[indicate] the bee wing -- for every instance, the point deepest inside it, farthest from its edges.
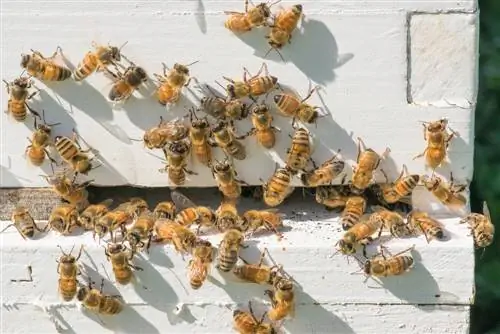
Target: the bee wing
(378, 208)
(181, 201)
(107, 202)
(486, 210)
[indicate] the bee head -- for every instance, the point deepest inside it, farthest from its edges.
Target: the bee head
(84, 220)
(346, 246)
(219, 126)
(264, 9)
(67, 259)
(183, 69)
(222, 166)
(115, 248)
(237, 313)
(22, 82)
(141, 73)
(25, 59)
(83, 165)
(115, 53)
(297, 8)
(260, 109)
(284, 285)
(179, 147)
(82, 293)
(231, 90)
(201, 123)
(367, 267)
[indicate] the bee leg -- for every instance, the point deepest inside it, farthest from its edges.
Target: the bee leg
(148, 245)
(33, 112)
(270, 294)
(420, 155)
(425, 131)
(228, 79)
(190, 172)
(38, 53)
(7, 85)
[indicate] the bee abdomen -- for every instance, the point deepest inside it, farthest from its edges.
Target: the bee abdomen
(66, 148)
(196, 283)
(177, 176)
(406, 186)
(349, 219)
(18, 109)
(237, 150)
(110, 305)
(227, 261)
(28, 231)
(237, 23)
(67, 288)
(123, 275)
(167, 94)
(86, 67)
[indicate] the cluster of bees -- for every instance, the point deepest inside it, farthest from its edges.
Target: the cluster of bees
(170, 221)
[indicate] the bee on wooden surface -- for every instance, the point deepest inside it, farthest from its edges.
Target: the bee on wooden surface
(392, 221)
(251, 87)
(323, 174)
(92, 213)
(199, 134)
(70, 151)
(199, 265)
(382, 266)
(67, 269)
(332, 197)
(282, 28)
(19, 94)
(24, 223)
(277, 188)
(438, 140)
(481, 226)
(191, 213)
(140, 231)
(171, 82)
(282, 298)
(120, 258)
(94, 61)
(268, 219)
(257, 273)
(111, 221)
(299, 154)
(70, 191)
(183, 239)
(227, 216)
(253, 17)
(359, 234)
(164, 133)
(177, 154)
(291, 106)
(226, 177)
(165, 210)
(247, 323)
(95, 301)
(263, 128)
(448, 194)
(399, 190)
(229, 249)
(44, 69)
(124, 84)
(224, 137)
(40, 140)
(367, 162)
(430, 227)
(63, 219)
(355, 207)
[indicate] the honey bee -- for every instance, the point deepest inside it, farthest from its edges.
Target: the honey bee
(67, 269)
(438, 140)
(44, 69)
(284, 24)
(177, 154)
(257, 273)
(199, 135)
(256, 16)
(447, 194)
(92, 213)
(332, 197)
(135, 206)
(63, 219)
(24, 223)
(268, 219)
(69, 190)
(165, 210)
(229, 249)
(120, 258)
(355, 207)
(19, 94)
(227, 216)
(171, 82)
(399, 190)
(141, 230)
(199, 265)
(225, 137)
(282, 298)
(96, 60)
(263, 129)
(359, 234)
(191, 213)
(164, 133)
(367, 162)
(481, 226)
(124, 84)
(277, 188)
(323, 174)
(226, 177)
(246, 323)
(290, 106)
(430, 227)
(183, 239)
(37, 150)
(112, 220)
(71, 152)
(381, 266)
(95, 301)
(392, 221)
(251, 87)
(299, 154)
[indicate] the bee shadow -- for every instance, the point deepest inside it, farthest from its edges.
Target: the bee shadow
(455, 160)
(56, 317)
(159, 257)
(106, 171)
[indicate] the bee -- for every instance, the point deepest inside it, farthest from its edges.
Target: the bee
(199, 265)
(69, 190)
(171, 82)
(448, 194)
(481, 226)
(199, 135)
(67, 269)
(19, 94)
(246, 323)
(291, 106)
(63, 219)
(120, 258)
(268, 219)
(135, 206)
(282, 298)
(40, 140)
(165, 210)
(141, 230)
(323, 174)
(299, 154)
(24, 223)
(257, 273)
(164, 133)
(277, 188)
(92, 213)
(44, 69)
(124, 84)
(229, 249)
(381, 266)
(360, 234)
(263, 129)
(367, 162)
(226, 178)
(438, 140)
(71, 152)
(355, 207)
(332, 197)
(227, 216)
(95, 301)
(256, 16)
(399, 190)
(392, 221)
(96, 60)
(191, 213)
(112, 220)
(251, 87)
(284, 24)
(429, 226)
(183, 239)
(224, 136)
(177, 154)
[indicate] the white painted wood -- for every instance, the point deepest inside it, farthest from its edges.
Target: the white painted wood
(356, 50)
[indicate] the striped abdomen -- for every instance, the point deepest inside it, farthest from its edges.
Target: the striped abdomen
(262, 85)
(120, 91)
(431, 229)
(354, 209)
(36, 155)
(123, 274)
(406, 185)
(227, 259)
(53, 72)
(398, 265)
(238, 22)
(289, 19)
(278, 187)
(236, 150)
(166, 93)
(18, 109)
(287, 104)
(299, 153)
(66, 148)
(110, 305)
(67, 288)
(176, 175)
(86, 67)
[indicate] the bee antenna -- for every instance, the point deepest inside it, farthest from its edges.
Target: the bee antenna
(121, 47)
(62, 250)
(218, 83)
(24, 71)
(133, 139)
(272, 4)
(194, 62)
